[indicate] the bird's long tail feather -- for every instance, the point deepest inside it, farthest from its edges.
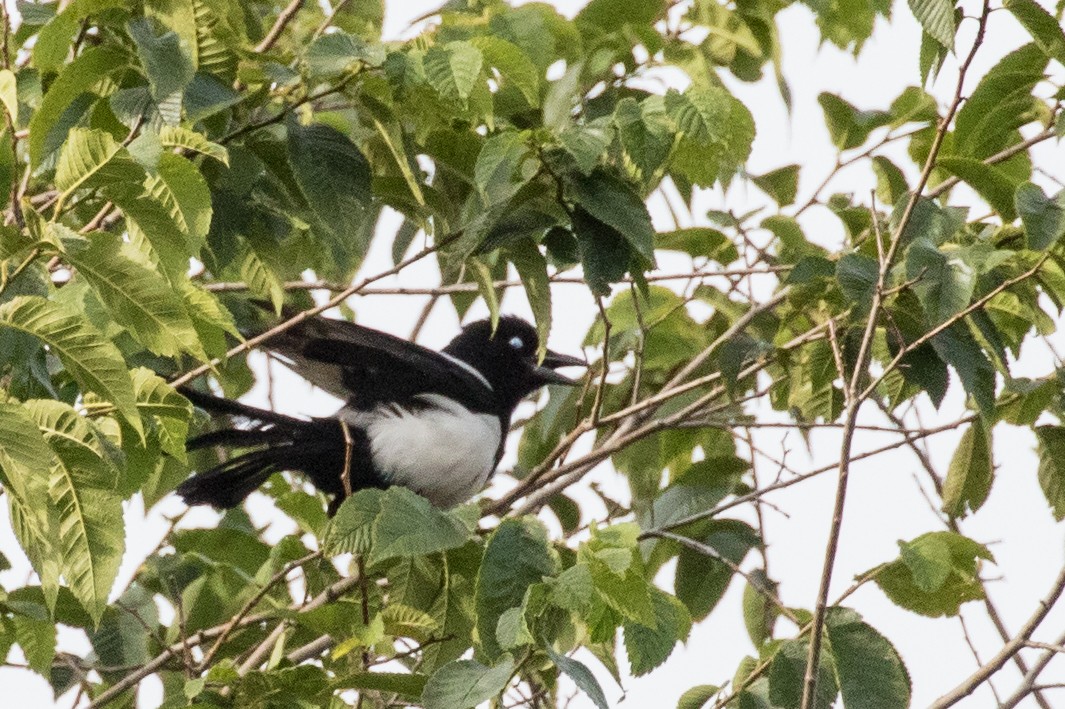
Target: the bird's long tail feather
(280, 443)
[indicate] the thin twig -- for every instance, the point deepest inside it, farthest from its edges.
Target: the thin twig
(283, 19)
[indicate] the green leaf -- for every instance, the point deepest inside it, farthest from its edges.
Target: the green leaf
(648, 647)
(516, 556)
(501, 167)
(701, 579)
(90, 533)
(848, 126)
(37, 639)
(990, 183)
(179, 186)
(169, 69)
(94, 362)
(168, 411)
(138, 298)
(337, 52)
(408, 686)
(532, 269)
(613, 202)
(971, 472)
(1002, 102)
(759, 613)
(453, 69)
(514, 66)
(26, 461)
(93, 158)
(870, 670)
(697, 697)
(463, 684)
(49, 124)
(934, 574)
(351, 530)
(957, 347)
(716, 131)
(936, 18)
(185, 139)
(787, 671)
(335, 179)
(891, 185)
(1043, 218)
(781, 184)
(1052, 467)
(1044, 28)
(581, 676)
(408, 525)
(857, 276)
(943, 281)
(261, 281)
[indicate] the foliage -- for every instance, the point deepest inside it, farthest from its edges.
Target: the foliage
(168, 161)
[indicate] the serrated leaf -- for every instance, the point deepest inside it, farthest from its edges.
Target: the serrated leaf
(261, 281)
(408, 525)
(934, 574)
(581, 676)
(93, 158)
(616, 204)
(857, 275)
(453, 69)
(647, 646)
(168, 68)
(701, 579)
(970, 474)
(1052, 467)
(168, 410)
(848, 126)
(334, 177)
(94, 362)
(943, 281)
(716, 131)
(179, 187)
(781, 184)
(697, 697)
(463, 684)
(1044, 28)
(178, 137)
(37, 639)
(514, 66)
(787, 672)
(337, 52)
(957, 347)
(990, 183)
(936, 18)
(138, 298)
(26, 460)
(498, 172)
(351, 529)
(49, 125)
(870, 670)
(1043, 218)
(516, 556)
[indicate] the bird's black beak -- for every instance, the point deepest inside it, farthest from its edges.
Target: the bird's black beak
(545, 373)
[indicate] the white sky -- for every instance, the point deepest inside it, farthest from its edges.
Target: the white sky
(884, 503)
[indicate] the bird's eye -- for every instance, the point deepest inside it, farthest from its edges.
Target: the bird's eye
(517, 343)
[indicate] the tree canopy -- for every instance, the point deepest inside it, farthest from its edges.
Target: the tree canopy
(166, 162)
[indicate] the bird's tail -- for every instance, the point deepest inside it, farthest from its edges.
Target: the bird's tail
(279, 443)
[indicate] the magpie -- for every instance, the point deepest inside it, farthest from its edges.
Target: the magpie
(434, 422)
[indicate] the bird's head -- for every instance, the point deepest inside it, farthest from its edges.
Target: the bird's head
(507, 357)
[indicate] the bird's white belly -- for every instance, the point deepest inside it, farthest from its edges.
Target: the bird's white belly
(444, 451)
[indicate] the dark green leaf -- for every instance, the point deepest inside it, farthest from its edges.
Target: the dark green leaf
(614, 203)
(697, 697)
(934, 574)
(957, 347)
(971, 472)
(337, 52)
(516, 556)
(532, 269)
(990, 183)
(702, 579)
(1043, 218)
(463, 684)
(857, 275)
(169, 69)
(943, 281)
(848, 126)
(787, 672)
(781, 184)
(649, 646)
(408, 525)
(1044, 28)
(581, 676)
(936, 18)
(1052, 467)
(870, 670)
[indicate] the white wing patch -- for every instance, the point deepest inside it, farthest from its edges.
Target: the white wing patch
(444, 451)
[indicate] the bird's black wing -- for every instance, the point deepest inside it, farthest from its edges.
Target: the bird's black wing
(366, 366)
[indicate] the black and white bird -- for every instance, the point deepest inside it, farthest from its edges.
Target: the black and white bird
(434, 422)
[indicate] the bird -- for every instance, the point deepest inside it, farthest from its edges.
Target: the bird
(432, 421)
